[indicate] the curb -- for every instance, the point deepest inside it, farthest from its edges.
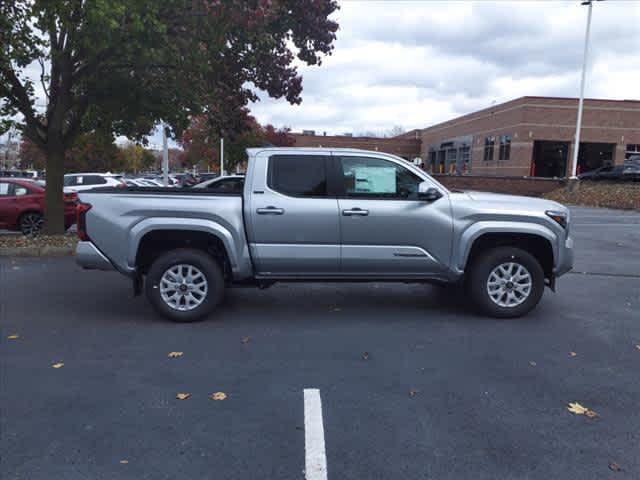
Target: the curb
(44, 251)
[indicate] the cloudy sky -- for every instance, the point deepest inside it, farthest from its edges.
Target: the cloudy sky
(416, 63)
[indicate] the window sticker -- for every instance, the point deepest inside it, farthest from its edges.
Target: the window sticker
(375, 179)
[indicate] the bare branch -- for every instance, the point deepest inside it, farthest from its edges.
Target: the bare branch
(42, 79)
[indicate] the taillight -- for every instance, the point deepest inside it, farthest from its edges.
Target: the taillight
(81, 221)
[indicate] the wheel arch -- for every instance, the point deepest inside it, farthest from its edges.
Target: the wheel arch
(156, 242)
(535, 239)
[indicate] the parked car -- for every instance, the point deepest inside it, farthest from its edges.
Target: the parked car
(203, 177)
(22, 206)
(230, 184)
(78, 182)
(627, 172)
(310, 214)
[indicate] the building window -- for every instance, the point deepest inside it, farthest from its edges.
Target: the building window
(465, 159)
(505, 147)
(489, 143)
(632, 151)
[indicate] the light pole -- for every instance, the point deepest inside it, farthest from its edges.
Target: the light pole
(576, 145)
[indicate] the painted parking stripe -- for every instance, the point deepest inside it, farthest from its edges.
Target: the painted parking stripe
(315, 456)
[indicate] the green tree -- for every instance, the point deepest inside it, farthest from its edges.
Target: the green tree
(123, 65)
(137, 158)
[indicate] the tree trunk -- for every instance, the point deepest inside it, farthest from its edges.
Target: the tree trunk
(53, 198)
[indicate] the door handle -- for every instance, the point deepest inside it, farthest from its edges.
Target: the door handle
(270, 211)
(355, 212)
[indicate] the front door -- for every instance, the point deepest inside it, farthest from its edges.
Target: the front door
(386, 230)
(294, 221)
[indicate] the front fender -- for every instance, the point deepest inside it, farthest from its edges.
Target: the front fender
(474, 231)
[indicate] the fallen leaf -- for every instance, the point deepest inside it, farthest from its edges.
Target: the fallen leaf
(245, 340)
(124, 462)
(218, 396)
(57, 365)
(365, 356)
(573, 354)
(412, 393)
(13, 337)
(615, 467)
(638, 347)
(336, 309)
(578, 409)
(174, 354)
(15, 268)
(533, 364)
(183, 396)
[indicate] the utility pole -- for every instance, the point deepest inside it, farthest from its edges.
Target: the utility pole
(165, 156)
(221, 157)
(576, 145)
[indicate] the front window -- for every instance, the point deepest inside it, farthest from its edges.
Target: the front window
(377, 178)
(19, 190)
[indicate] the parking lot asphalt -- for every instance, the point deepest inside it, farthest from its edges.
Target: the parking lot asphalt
(441, 393)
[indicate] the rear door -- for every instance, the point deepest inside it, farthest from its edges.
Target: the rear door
(293, 219)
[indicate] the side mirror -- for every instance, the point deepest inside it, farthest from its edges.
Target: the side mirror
(428, 193)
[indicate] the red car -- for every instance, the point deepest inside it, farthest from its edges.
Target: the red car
(22, 206)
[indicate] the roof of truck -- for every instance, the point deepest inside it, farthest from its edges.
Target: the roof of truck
(253, 151)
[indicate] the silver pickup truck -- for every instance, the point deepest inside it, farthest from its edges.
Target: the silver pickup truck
(313, 214)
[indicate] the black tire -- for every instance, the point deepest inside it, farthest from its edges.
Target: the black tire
(481, 269)
(185, 256)
(31, 223)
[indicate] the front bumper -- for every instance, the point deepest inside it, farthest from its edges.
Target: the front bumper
(89, 257)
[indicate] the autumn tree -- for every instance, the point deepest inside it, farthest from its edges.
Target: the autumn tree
(136, 158)
(201, 141)
(91, 152)
(123, 65)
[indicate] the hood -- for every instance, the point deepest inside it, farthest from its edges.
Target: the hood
(514, 201)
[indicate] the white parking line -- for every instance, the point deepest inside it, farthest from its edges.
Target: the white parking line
(315, 456)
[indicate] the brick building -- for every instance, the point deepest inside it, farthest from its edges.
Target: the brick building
(407, 148)
(528, 136)
(533, 136)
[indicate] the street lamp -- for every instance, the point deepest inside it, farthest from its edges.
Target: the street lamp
(576, 146)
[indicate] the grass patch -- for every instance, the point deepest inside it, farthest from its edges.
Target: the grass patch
(68, 240)
(620, 195)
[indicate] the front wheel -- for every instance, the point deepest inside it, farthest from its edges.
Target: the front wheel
(184, 285)
(506, 282)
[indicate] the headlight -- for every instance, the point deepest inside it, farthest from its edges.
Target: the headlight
(561, 218)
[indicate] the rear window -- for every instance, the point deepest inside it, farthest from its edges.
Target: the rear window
(298, 175)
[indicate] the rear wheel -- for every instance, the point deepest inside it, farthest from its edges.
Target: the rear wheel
(31, 223)
(184, 285)
(506, 282)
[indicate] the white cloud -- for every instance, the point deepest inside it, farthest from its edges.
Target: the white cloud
(417, 63)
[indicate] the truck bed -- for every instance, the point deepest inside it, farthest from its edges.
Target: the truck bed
(120, 217)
